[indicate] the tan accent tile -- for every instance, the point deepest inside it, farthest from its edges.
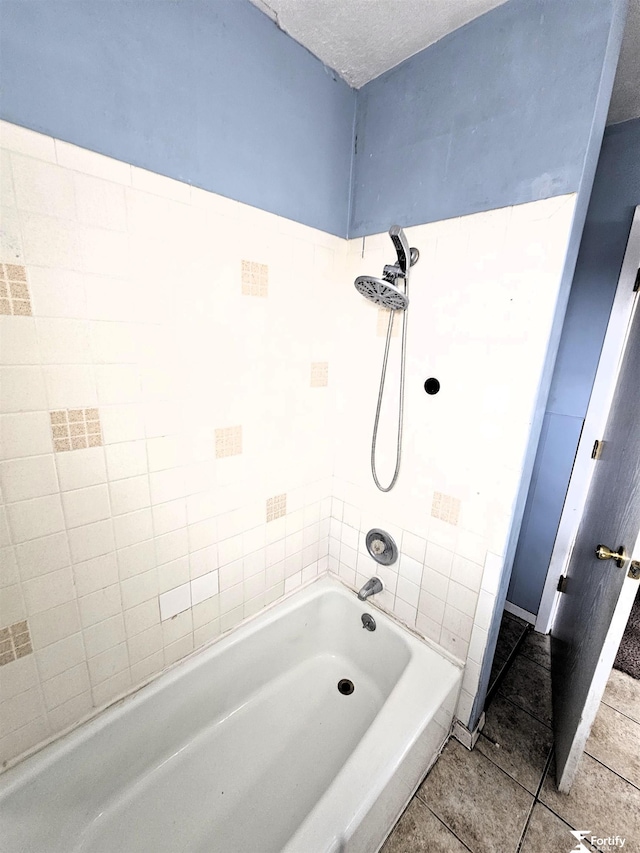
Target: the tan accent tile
(15, 272)
(228, 441)
(15, 642)
(18, 290)
(14, 291)
(75, 429)
(276, 507)
(21, 307)
(445, 507)
(319, 374)
(255, 278)
(383, 324)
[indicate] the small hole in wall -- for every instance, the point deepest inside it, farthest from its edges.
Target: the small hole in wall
(432, 386)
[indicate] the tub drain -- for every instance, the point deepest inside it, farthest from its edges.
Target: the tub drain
(345, 686)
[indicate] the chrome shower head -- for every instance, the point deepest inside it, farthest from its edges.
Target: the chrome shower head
(382, 292)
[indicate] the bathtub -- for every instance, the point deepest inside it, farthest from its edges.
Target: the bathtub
(249, 746)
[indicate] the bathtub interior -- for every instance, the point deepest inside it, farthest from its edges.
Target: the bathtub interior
(262, 697)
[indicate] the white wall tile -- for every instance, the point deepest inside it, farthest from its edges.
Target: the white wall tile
(39, 556)
(175, 601)
(128, 459)
(81, 468)
(84, 506)
(204, 587)
(50, 590)
(34, 518)
(70, 386)
(18, 341)
(42, 187)
(129, 495)
(23, 389)
(96, 574)
(25, 434)
(16, 138)
(63, 341)
(89, 162)
(32, 477)
(92, 540)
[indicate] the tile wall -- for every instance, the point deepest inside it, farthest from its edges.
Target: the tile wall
(482, 298)
(165, 371)
(188, 391)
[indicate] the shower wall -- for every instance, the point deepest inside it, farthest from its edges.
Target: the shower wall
(188, 391)
(482, 302)
(165, 463)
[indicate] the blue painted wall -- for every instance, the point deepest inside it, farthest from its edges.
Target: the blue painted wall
(616, 192)
(210, 92)
(498, 112)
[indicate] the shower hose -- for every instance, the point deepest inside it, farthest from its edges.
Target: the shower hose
(401, 398)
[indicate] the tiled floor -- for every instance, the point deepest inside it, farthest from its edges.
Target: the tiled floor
(501, 797)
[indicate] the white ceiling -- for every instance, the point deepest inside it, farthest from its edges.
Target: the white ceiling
(360, 39)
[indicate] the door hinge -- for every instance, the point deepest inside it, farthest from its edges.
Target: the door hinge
(636, 285)
(634, 570)
(598, 444)
(562, 583)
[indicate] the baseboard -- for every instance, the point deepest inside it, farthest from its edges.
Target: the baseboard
(521, 612)
(462, 734)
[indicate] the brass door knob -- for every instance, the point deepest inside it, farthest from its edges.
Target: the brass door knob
(604, 553)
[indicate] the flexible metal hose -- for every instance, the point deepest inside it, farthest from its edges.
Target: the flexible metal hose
(401, 400)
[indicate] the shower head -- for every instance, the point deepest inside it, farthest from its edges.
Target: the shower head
(382, 292)
(401, 246)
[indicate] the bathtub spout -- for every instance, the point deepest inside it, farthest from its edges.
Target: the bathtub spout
(372, 586)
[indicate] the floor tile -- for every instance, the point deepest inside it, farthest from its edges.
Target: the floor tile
(511, 630)
(528, 685)
(547, 833)
(484, 807)
(599, 801)
(523, 743)
(420, 830)
(537, 647)
(623, 694)
(615, 742)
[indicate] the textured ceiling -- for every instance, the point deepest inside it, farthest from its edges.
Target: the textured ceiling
(625, 102)
(360, 39)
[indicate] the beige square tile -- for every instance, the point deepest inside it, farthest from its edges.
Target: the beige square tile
(254, 278)
(276, 507)
(445, 507)
(319, 374)
(228, 441)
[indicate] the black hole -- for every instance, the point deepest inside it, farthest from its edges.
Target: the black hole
(345, 686)
(432, 386)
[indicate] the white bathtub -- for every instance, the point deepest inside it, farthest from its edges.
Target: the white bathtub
(248, 747)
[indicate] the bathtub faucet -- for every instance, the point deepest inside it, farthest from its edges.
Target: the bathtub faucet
(372, 586)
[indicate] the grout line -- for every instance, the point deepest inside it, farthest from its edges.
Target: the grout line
(526, 826)
(448, 828)
(615, 772)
